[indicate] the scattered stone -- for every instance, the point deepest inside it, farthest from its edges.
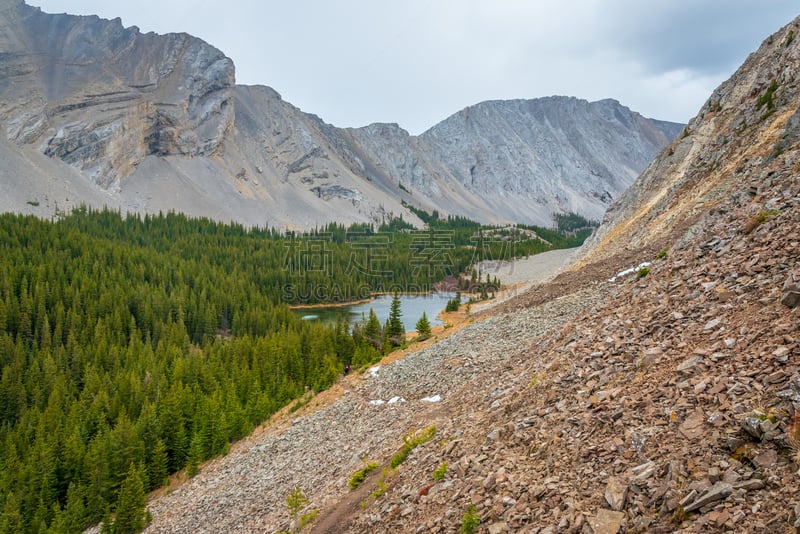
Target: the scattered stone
(717, 492)
(693, 427)
(690, 363)
(791, 291)
(766, 459)
(791, 299)
(607, 521)
(750, 485)
(616, 493)
(495, 434)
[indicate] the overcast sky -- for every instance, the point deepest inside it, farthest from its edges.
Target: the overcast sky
(415, 62)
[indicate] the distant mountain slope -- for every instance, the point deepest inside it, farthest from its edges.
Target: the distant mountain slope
(525, 159)
(155, 123)
(102, 97)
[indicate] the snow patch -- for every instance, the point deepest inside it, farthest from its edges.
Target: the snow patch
(396, 399)
(377, 402)
(373, 371)
(632, 270)
(435, 398)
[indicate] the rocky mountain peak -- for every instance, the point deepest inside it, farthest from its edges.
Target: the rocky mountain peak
(155, 123)
(103, 97)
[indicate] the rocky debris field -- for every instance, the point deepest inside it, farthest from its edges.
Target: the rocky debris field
(670, 406)
(246, 490)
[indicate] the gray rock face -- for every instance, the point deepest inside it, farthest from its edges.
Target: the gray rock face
(156, 123)
(524, 159)
(102, 97)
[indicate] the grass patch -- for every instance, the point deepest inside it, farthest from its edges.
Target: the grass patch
(381, 487)
(642, 272)
(305, 519)
(357, 478)
(759, 219)
(411, 442)
(33, 203)
(440, 472)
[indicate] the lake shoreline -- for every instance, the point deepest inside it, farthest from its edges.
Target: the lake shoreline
(372, 297)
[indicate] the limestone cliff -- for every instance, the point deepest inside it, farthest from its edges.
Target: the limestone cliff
(102, 97)
(524, 159)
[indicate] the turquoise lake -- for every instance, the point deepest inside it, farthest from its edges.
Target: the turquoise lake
(412, 307)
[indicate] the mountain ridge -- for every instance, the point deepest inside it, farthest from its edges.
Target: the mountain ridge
(157, 123)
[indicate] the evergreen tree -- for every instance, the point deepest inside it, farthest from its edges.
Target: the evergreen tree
(423, 327)
(131, 515)
(372, 330)
(158, 466)
(195, 455)
(395, 332)
(296, 501)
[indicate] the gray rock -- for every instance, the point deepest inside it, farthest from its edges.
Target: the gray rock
(791, 299)
(749, 485)
(616, 493)
(607, 522)
(766, 459)
(717, 492)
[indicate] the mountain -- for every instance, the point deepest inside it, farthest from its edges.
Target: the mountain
(662, 401)
(523, 159)
(101, 114)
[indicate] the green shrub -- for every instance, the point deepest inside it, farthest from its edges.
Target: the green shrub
(768, 98)
(663, 254)
(470, 520)
(642, 272)
(440, 471)
(412, 442)
(359, 476)
(305, 519)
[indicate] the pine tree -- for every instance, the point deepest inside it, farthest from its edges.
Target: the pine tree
(196, 455)
(296, 501)
(372, 330)
(131, 515)
(423, 327)
(157, 466)
(395, 332)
